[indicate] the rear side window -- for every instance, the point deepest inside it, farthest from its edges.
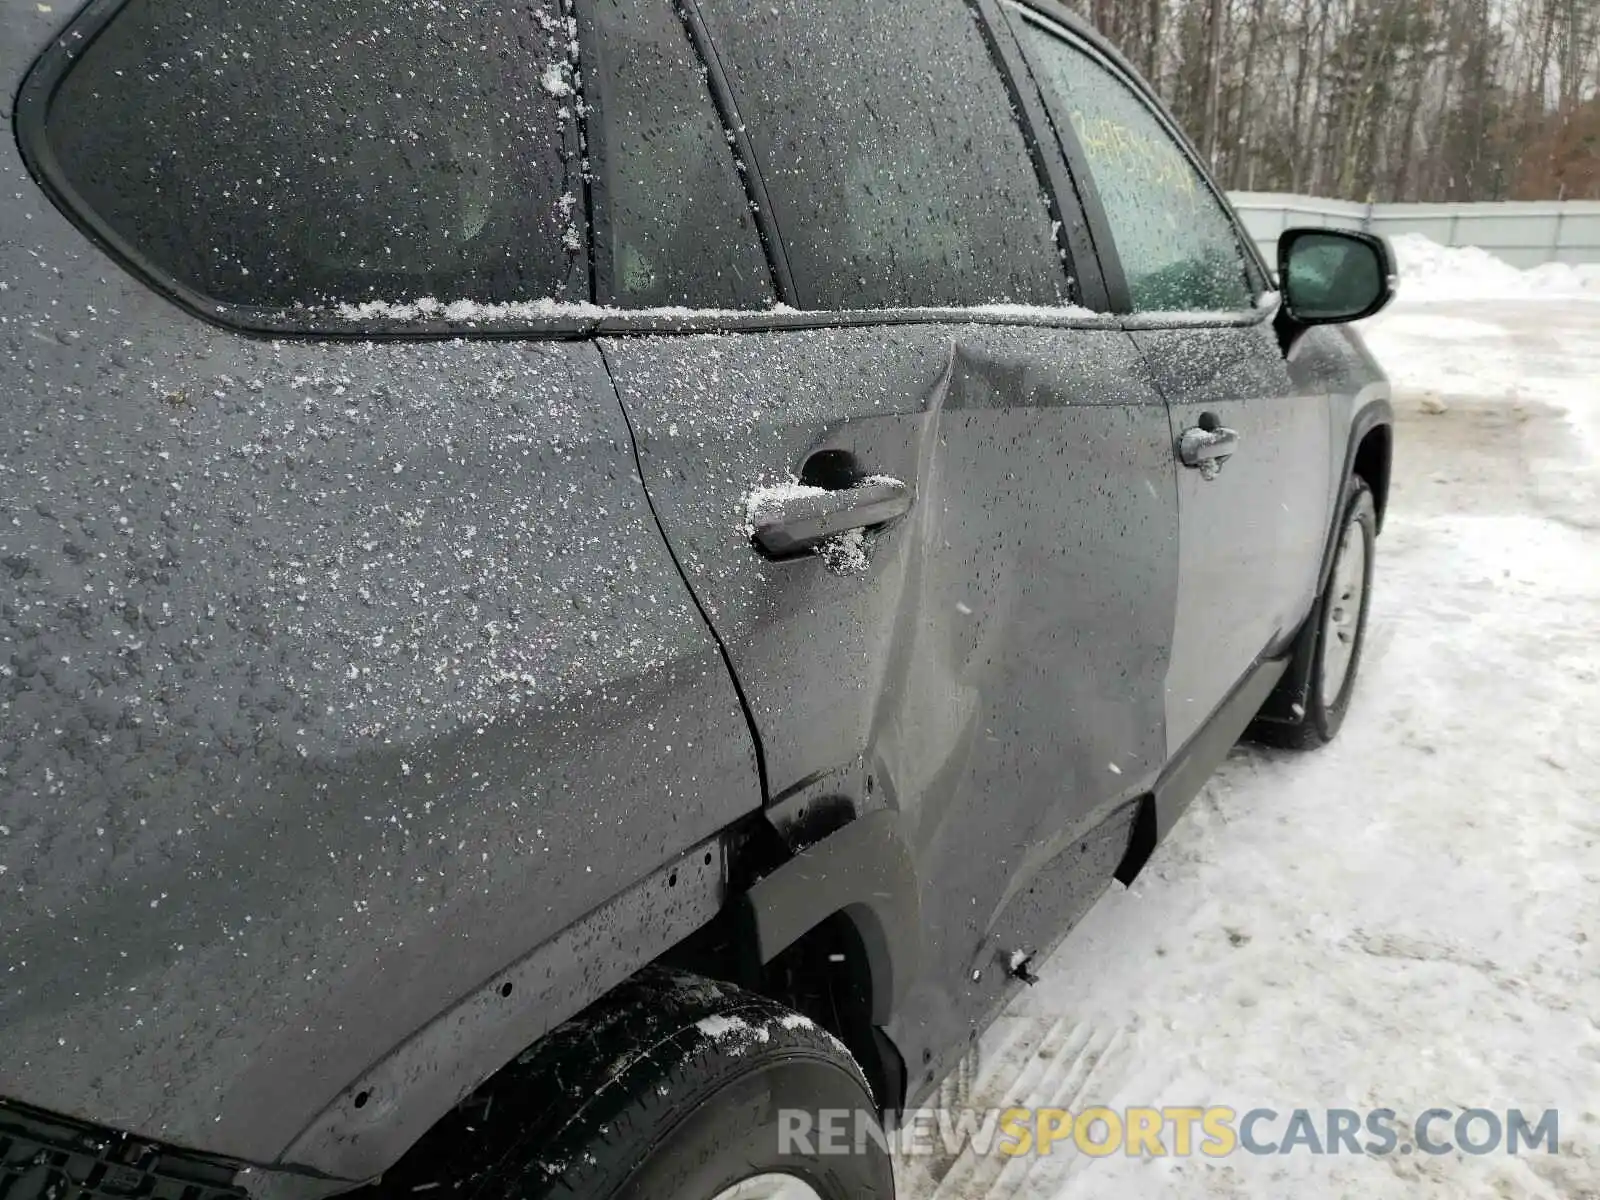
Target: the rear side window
(302, 152)
(889, 149)
(1178, 247)
(675, 227)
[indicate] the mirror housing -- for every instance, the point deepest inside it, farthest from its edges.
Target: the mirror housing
(1333, 276)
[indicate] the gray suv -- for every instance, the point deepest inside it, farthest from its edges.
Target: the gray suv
(586, 580)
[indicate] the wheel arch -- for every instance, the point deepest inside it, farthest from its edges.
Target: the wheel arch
(1369, 447)
(853, 894)
(852, 901)
(1374, 454)
(864, 872)
(379, 1115)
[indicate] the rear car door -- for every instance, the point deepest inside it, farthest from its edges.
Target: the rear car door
(346, 670)
(988, 667)
(1198, 306)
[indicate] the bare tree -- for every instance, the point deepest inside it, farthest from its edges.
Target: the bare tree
(1378, 99)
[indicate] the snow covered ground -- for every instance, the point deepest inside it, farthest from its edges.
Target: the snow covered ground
(1409, 918)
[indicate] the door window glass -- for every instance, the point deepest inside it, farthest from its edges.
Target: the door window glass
(1177, 244)
(889, 148)
(679, 228)
(302, 152)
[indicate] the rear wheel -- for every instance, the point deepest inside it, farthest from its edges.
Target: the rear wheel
(673, 1086)
(1338, 626)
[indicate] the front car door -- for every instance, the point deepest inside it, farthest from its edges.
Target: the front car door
(1254, 517)
(989, 667)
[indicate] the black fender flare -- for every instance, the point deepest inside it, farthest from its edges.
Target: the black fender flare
(379, 1115)
(1372, 414)
(864, 870)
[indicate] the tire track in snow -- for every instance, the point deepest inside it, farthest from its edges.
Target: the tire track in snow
(1030, 1062)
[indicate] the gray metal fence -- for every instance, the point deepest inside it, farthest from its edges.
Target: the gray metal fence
(1523, 233)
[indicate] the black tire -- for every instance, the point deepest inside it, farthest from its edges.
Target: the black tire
(1320, 718)
(670, 1088)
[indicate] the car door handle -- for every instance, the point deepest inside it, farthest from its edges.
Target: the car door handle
(786, 524)
(1207, 449)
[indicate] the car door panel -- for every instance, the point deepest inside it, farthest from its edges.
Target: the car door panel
(1176, 264)
(994, 664)
(1251, 533)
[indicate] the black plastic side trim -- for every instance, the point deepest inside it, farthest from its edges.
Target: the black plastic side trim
(1294, 689)
(1198, 760)
(865, 871)
(889, 1068)
(1141, 842)
(379, 1115)
(1375, 413)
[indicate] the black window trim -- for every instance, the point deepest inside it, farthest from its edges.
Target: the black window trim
(744, 150)
(1056, 20)
(1114, 283)
(1057, 176)
(739, 148)
(45, 76)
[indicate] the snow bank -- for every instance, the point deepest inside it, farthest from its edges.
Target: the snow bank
(1429, 271)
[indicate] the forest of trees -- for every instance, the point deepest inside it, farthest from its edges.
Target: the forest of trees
(1378, 99)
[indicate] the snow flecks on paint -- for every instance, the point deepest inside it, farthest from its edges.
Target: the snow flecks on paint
(555, 80)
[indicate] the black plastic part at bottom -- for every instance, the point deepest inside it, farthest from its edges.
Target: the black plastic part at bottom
(1287, 703)
(53, 1158)
(1193, 765)
(886, 1071)
(1141, 842)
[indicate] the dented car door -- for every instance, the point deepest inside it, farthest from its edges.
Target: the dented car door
(991, 664)
(979, 648)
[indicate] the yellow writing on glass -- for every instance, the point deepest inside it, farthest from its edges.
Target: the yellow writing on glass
(1133, 156)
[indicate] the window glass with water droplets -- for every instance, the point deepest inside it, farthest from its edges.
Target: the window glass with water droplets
(306, 153)
(896, 167)
(675, 225)
(1177, 245)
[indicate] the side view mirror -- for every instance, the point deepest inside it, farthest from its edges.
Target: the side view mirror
(1331, 276)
